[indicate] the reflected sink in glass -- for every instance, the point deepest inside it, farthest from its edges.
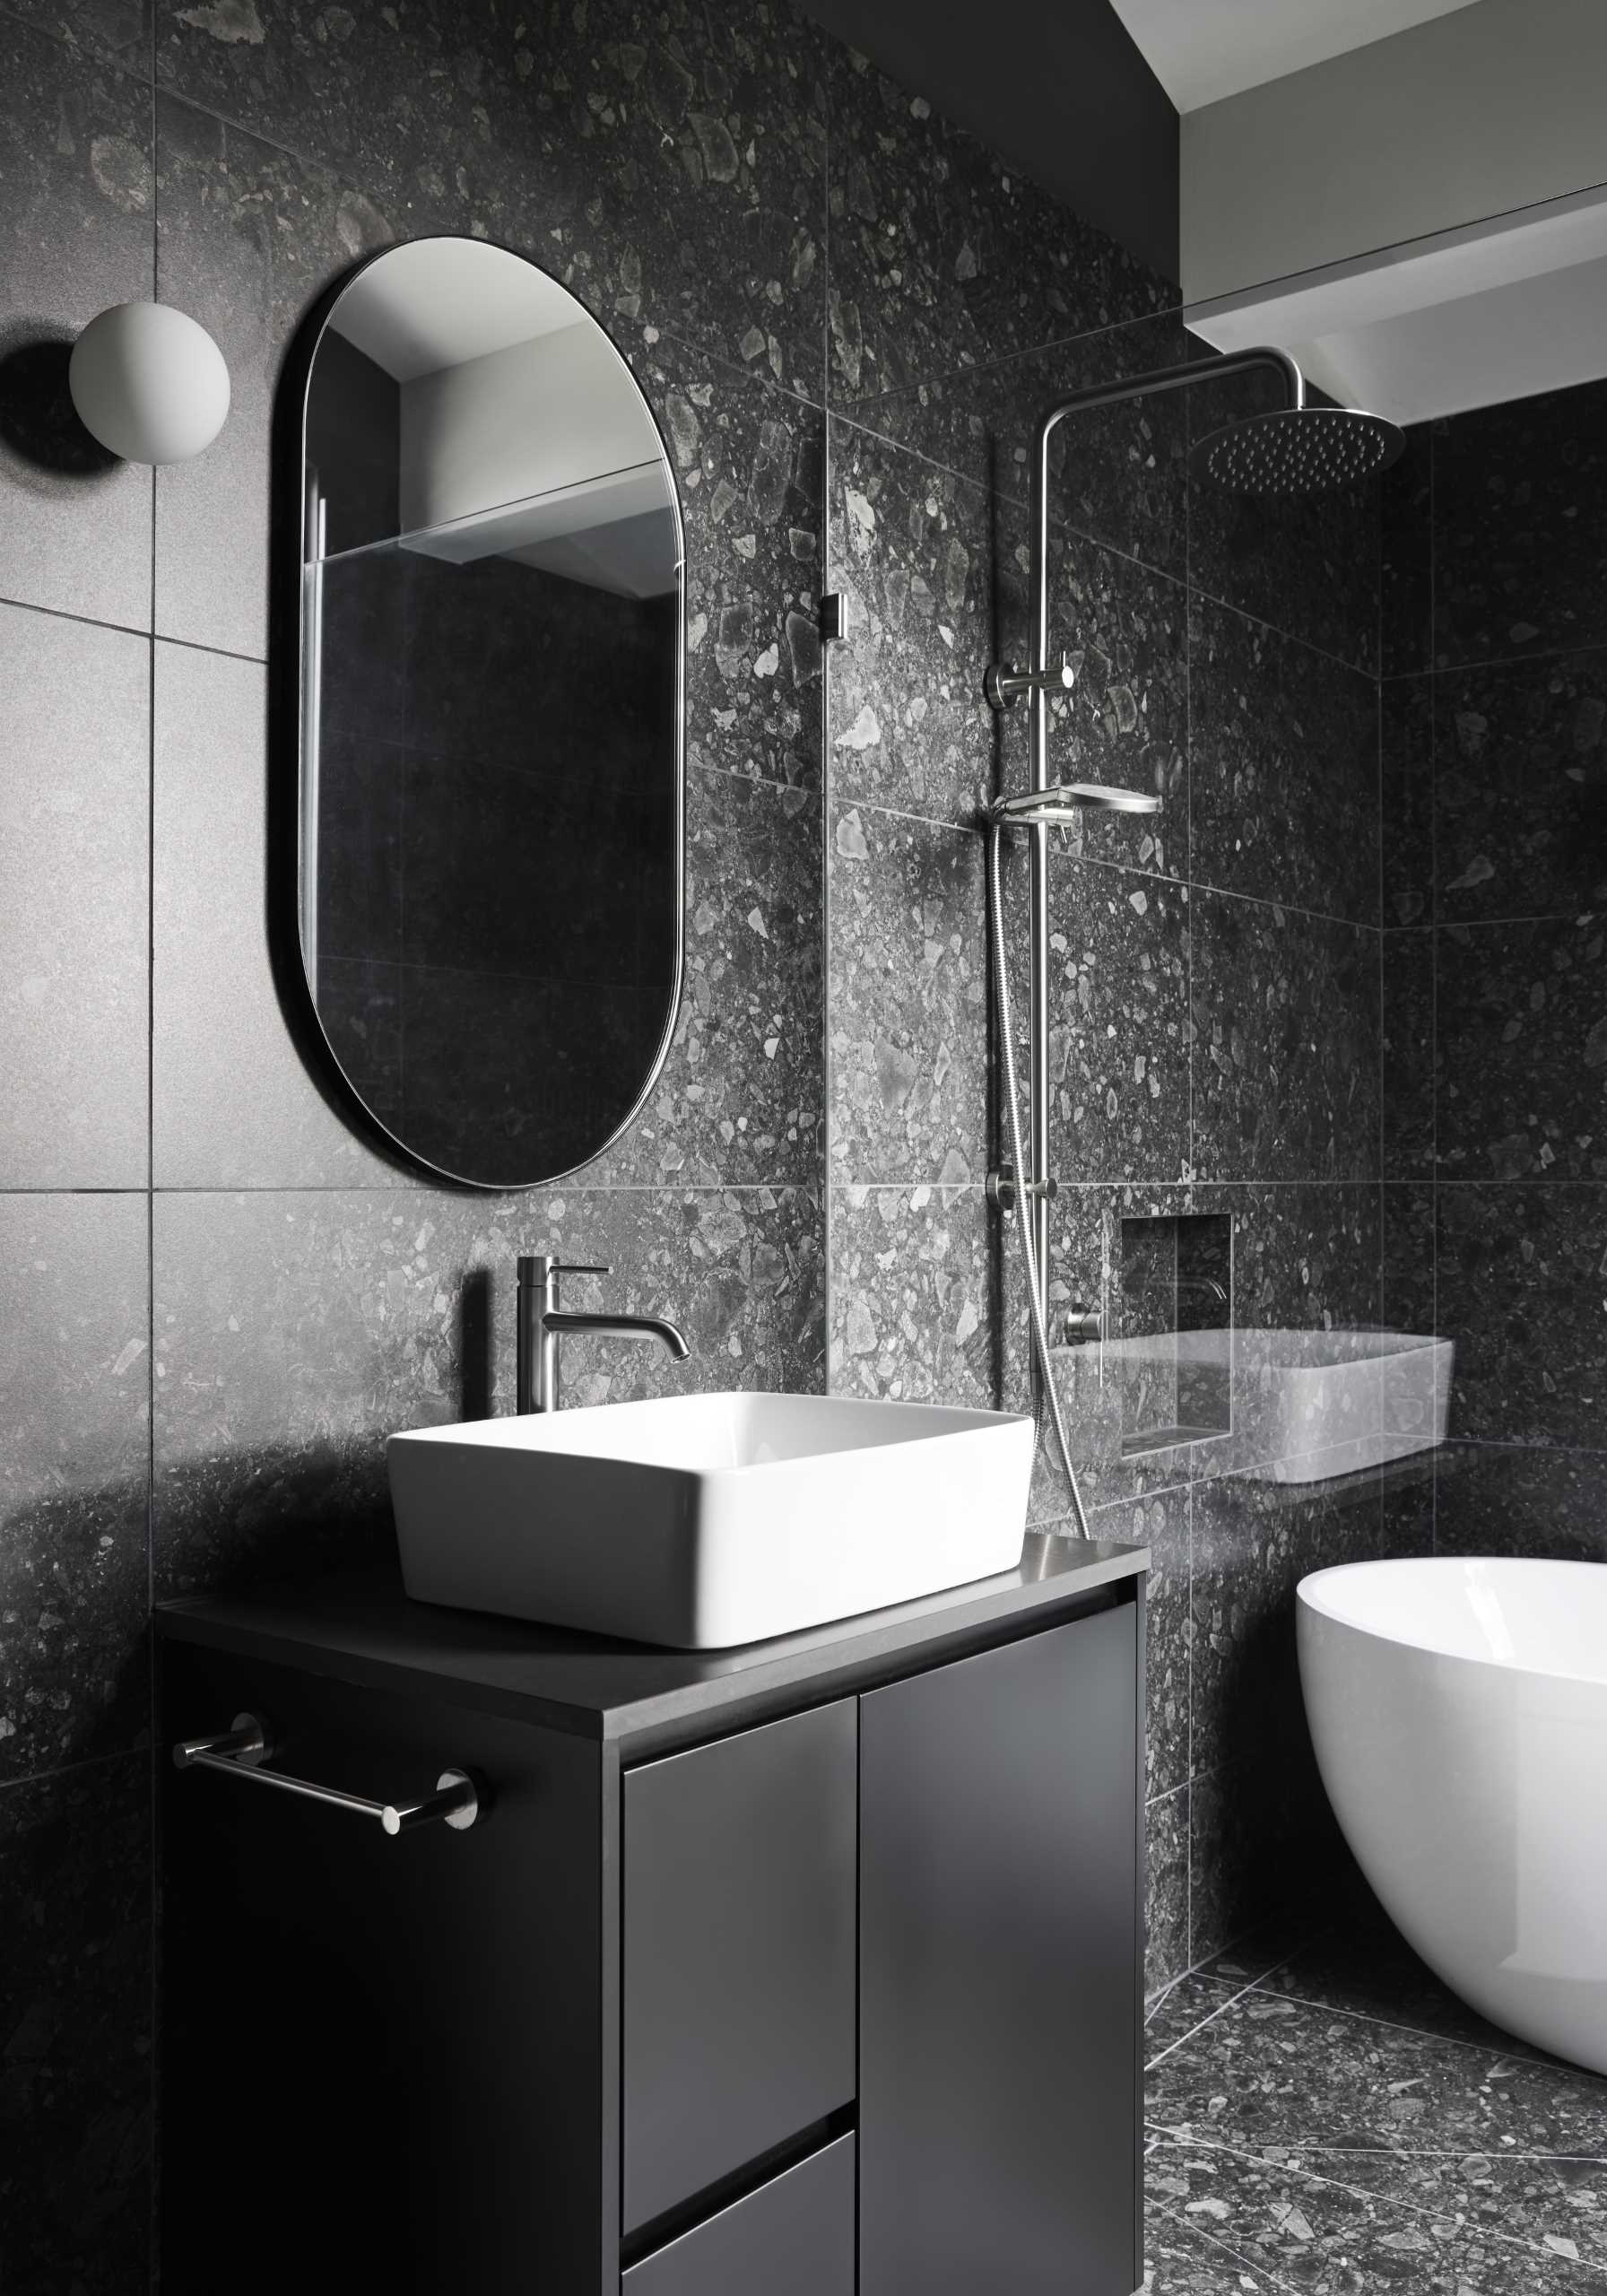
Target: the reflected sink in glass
(702, 1521)
(1297, 1406)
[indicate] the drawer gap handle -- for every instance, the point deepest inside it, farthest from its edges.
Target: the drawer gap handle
(246, 1749)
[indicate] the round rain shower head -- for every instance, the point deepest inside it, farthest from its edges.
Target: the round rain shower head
(1299, 450)
(1060, 806)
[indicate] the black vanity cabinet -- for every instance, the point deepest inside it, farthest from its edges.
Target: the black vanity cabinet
(800, 1970)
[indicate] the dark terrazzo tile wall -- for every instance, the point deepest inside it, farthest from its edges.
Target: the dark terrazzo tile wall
(796, 255)
(1495, 711)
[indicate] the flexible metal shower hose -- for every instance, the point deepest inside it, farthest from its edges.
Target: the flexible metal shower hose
(1040, 1338)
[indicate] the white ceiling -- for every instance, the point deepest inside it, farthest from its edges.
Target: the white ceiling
(1200, 50)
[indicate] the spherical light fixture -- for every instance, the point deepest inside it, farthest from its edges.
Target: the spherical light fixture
(149, 383)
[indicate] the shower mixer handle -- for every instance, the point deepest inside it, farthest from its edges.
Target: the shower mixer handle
(1004, 682)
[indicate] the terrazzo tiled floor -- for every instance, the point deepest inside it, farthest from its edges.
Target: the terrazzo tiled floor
(1332, 2121)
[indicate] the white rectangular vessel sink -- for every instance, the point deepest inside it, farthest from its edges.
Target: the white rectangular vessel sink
(702, 1521)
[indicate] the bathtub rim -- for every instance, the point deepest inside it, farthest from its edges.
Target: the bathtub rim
(1453, 1568)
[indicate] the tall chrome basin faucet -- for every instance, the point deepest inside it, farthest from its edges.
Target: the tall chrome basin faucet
(542, 1323)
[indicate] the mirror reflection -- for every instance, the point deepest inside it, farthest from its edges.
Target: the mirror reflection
(490, 768)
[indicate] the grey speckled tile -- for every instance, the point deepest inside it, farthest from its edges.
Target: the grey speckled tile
(1183, 2009)
(74, 1367)
(76, 530)
(667, 163)
(1552, 2212)
(1286, 1044)
(1118, 1023)
(1363, 1965)
(1408, 1258)
(749, 466)
(913, 1292)
(1118, 473)
(235, 1105)
(1406, 571)
(1252, 1543)
(1521, 1499)
(114, 32)
(75, 2030)
(1181, 2261)
(1166, 1890)
(1406, 974)
(1265, 1853)
(1227, 1896)
(740, 1098)
(909, 1000)
(1524, 1262)
(1521, 1032)
(1520, 789)
(1282, 2074)
(1283, 757)
(73, 891)
(1304, 1258)
(1519, 495)
(941, 256)
(1125, 631)
(1161, 1523)
(249, 237)
(1406, 708)
(915, 552)
(295, 1331)
(1309, 2230)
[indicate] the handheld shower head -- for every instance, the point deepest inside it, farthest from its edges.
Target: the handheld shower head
(1058, 807)
(1298, 450)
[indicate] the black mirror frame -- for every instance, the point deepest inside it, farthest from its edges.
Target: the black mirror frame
(287, 639)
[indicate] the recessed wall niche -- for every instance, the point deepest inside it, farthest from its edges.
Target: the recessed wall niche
(1174, 1312)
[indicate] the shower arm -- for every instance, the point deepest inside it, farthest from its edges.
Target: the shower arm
(1033, 1197)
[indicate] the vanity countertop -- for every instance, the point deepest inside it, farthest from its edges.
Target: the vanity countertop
(362, 1629)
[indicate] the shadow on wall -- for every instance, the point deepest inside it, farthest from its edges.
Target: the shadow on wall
(1282, 1853)
(37, 419)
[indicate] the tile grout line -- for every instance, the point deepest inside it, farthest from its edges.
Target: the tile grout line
(1379, 2200)
(1476, 665)
(1263, 2274)
(147, 631)
(1416, 2032)
(1233, 1998)
(71, 1768)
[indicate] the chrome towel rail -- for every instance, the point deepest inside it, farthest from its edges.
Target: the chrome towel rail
(244, 1750)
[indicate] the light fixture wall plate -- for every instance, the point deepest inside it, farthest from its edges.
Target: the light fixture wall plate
(149, 382)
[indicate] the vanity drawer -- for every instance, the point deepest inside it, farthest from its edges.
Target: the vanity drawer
(794, 2236)
(740, 1877)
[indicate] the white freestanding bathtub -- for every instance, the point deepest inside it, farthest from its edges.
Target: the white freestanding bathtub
(1459, 1713)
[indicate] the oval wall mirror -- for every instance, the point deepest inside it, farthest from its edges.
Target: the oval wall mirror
(490, 830)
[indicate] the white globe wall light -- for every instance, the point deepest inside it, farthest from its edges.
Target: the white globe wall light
(149, 383)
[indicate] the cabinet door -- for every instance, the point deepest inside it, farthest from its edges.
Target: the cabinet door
(999, 2136)
(794, 2236)
(738, 2012)
(379, 2057)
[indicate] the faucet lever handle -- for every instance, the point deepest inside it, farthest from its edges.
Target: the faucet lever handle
(578, 1267)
